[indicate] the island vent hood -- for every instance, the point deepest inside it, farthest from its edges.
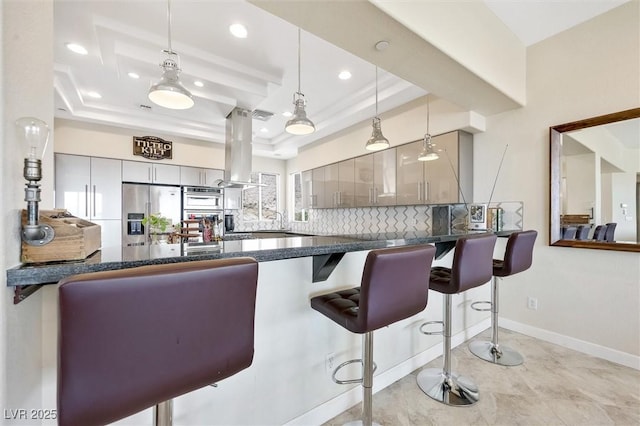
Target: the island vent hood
(237, 159)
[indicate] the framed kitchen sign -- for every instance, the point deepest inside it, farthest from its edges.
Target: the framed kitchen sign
(478, 216)
(152, 148)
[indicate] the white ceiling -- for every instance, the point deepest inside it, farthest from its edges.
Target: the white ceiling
(259, 72)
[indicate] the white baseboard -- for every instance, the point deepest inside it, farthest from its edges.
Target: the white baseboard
(348, 399)
(588, 348)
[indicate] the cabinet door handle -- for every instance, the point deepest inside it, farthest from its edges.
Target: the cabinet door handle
(86, 200)
(370, 195)
(155, 174)
(149, 174)
(419, 191)
(375, 195)
(94, 200)
(426, 191)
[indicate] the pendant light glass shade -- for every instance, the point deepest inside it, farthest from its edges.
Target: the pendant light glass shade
(428, 152)
(299, 124)
(169, 92)
(377, 141)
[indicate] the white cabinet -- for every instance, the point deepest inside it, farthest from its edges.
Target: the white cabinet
(137, 171)
(91, 188)
(195, 176)
(439, 181)
(88, 187)
(375, 179)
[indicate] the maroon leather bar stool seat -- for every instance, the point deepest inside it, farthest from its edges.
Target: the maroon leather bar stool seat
(471, 267)
(134, 338)
(518, 257)
(394, 286)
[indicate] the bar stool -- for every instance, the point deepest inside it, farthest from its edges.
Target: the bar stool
(518, 257)
(394, 286)
(471, 268)
(583, 232)
(609, 232)
(134, 338)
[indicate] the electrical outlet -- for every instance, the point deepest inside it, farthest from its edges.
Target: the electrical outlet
(532, 303)
(330, 362)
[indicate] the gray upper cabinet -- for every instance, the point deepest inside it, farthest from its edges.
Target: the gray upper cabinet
(396, 177)
(307, 189)
(195, 176)
(339, 190)
(317, 188)
(439, 181)
(375, 179)
(137, 171)
(88, 187)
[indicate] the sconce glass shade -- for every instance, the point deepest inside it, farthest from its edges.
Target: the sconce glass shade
(299, 124)
(169, 92)
(428, 152)
(377, 141)
(33, 133)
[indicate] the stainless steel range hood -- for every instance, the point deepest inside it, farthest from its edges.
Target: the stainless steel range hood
(237, 162)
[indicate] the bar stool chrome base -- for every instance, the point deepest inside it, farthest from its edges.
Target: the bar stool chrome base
(501, 355)
(449, 389)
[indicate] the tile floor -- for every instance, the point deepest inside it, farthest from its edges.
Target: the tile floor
(554, 386)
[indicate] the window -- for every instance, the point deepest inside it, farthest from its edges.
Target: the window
(261, 202)
(300, 214)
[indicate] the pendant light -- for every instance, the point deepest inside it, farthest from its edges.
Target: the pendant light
(428, 151)
(299, 124)
(377, 141)
(169, 92)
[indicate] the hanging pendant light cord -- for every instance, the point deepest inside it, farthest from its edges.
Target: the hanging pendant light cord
(427, 116)
(376, 91)
(170, 50)
(299, 60)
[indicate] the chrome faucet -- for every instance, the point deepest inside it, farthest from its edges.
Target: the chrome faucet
(281, 219)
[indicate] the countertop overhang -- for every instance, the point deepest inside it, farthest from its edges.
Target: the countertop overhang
(263, 250)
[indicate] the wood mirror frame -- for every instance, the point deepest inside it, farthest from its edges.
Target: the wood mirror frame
(555, 137)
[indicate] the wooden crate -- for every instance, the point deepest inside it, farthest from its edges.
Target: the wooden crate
(75, 238)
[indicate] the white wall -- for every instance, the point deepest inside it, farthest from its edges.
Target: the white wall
(26, 89)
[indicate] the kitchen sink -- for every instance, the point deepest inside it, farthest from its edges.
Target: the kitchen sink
(277, 234)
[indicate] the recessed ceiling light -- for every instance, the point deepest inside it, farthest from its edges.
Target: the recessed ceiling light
(287, 113)
(76, 48)
(133, 75)
(198, 83)
(344, 75)
(264, 130)
(94, 95)
(238, 30)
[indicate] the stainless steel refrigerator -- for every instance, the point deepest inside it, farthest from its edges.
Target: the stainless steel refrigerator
(139, 201)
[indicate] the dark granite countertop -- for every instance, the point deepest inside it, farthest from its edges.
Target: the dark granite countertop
(263, 250)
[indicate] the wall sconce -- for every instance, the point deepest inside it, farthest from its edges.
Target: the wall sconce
(34, 135)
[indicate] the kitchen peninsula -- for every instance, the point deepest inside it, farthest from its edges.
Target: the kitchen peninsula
(326, 250)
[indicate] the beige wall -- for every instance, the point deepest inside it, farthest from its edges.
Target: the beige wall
(584, 295)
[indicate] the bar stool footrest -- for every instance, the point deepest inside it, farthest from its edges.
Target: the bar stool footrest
(349, 381)
(432, 333)
(475, 307)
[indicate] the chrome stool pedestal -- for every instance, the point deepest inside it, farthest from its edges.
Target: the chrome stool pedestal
(440, 383)
(492, 351)
(518, 257)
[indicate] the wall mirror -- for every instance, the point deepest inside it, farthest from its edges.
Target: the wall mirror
(595, 182)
